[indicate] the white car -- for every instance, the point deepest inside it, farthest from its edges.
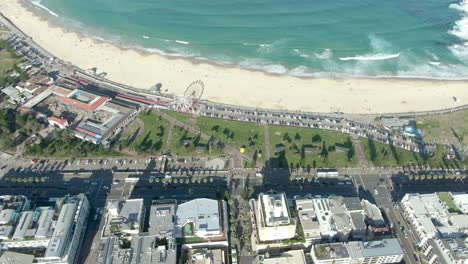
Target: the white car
(105, 187)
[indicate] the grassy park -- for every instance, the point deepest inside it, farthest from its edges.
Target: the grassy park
(383, 155)
(185, 143)
(9, 60)
(307, 147)
(147, 135)
(236, 134)
(446, 128)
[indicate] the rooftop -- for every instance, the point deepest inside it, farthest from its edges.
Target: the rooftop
(275, 209)
(161, 219)
(330, 251)
(289, 257)
(10, 257)
(203, 213)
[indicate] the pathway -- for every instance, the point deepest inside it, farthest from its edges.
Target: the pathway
(238, 158)
(267, 146)
(169, 136)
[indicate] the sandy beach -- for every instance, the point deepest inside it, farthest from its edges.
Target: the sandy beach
(237, 86)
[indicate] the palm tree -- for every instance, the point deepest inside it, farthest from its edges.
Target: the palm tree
(157, 180)
(36, 179)
(43, 179)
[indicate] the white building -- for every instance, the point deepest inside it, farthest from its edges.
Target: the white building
(202, 218)
(124, 216)
(288, 257)
(440, 227)
(38, 230)
(272, 218)
(357, 252)
(308, 220)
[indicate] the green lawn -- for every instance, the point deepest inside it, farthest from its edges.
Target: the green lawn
(183, 117)
(184, 143)
(236, 134)
(8, 58)
(153, 139)
(448, 199)
(67, 146)
(383, 155)
(445, 129)
(297, 140)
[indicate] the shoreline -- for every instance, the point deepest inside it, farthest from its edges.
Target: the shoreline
(230, 85)
(196, 60)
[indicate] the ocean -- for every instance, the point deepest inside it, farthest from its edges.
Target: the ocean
(361, 38)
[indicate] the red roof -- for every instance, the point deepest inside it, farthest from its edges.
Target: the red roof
(60, 90)
(87, 107)
(58, 120)
(86, 132)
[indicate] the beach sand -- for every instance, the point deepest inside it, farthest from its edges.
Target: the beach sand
(233, 85)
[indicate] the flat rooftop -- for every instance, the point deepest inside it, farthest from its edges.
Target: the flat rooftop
(330, 251)
(203, 213)
(275, 209)
(161, 219)
(289, 257)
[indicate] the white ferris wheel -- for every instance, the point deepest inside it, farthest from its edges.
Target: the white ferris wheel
(187, 101)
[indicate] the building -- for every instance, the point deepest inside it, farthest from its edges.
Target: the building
(461, 201)
(203, 219)
(272, 218)
(124, 216)
(54, 233)
(58, 122)
(357, 252)
(130, 244)
(440, 226)
(338, 218)
(308, 220)
(94, 117)
(333, 253)
(17, 95)
(288, 257)
(10, 257)
(206, 256)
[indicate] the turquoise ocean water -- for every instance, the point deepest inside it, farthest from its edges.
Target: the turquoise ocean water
(404, 38)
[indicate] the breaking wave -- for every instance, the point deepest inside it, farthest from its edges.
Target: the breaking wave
(38, 3)
(372, 57)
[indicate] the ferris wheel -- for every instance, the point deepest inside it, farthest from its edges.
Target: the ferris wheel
(187, 101)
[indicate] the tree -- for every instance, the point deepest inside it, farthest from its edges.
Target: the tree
(316, 138)
(43, 179)
(287, 138)
(324, 152)
(151, 180)
(297, 137)
(349, 144)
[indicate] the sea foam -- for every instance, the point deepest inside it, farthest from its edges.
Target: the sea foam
(372, 57)
(38, 4)
(460, 29)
